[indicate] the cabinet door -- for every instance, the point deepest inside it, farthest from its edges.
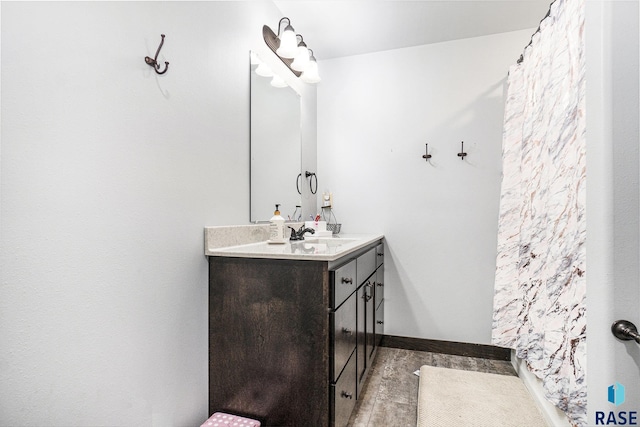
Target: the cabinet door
(366, 265)
(379, 254)
(379, 328)
(379, 284)
(343, 324)
(370, 320)
(343, 398)
(361, 364)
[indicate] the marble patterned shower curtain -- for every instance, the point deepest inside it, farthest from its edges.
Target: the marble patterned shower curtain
(539, 302)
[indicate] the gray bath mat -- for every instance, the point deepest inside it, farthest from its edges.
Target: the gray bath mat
(452, 398)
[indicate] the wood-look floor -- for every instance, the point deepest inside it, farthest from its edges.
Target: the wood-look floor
(390, 396)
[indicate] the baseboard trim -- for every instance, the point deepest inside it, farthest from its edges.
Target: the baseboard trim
(551, 414)
(447, 347)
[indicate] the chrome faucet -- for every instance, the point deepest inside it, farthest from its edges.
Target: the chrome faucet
(299, 235)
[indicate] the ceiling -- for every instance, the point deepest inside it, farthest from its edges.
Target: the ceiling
(336, 28)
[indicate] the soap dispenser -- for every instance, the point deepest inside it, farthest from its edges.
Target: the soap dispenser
(276, 228)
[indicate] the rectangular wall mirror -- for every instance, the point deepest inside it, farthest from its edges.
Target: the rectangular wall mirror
(275, 146)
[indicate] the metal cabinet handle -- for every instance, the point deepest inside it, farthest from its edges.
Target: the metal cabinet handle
(365, 295)
(346, 395)
(348, 280)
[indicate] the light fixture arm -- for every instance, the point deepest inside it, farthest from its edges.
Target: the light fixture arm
(285, 28)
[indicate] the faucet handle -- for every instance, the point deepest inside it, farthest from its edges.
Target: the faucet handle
(293, 233)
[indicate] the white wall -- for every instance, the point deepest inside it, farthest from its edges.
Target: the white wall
(613, 208)
(375, 114)
(109, 174)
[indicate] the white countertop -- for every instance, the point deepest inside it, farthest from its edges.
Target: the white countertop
(312, 248)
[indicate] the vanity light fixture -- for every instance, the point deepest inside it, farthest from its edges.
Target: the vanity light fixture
(299, 58)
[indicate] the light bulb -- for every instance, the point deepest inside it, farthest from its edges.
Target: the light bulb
(301, 61)
(288, 43)
(310, 74)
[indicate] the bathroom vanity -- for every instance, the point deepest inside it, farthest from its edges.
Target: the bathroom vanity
(294, 328)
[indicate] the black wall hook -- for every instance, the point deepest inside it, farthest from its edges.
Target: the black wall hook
(154, 62)
(462, 154)
(426, 156)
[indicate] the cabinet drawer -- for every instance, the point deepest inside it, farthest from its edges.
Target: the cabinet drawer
(343, 394)
(379, 285)
(343, 323)
(366, 265)
(379, 323)
(343, 283)
(379, 255)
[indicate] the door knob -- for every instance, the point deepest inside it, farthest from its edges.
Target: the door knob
(625, 330)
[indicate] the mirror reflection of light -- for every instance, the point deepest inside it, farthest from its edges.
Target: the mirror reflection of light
(277, 81)
(264, 70)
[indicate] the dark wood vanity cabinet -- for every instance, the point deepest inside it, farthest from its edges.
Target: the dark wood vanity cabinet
(290, 341)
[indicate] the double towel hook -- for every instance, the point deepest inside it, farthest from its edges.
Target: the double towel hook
(154, 61)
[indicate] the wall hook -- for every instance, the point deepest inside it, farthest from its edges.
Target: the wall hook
(426, 156)
(462, 154)
(154, 62)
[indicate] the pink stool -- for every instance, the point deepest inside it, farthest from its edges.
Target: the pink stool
(220, 419)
